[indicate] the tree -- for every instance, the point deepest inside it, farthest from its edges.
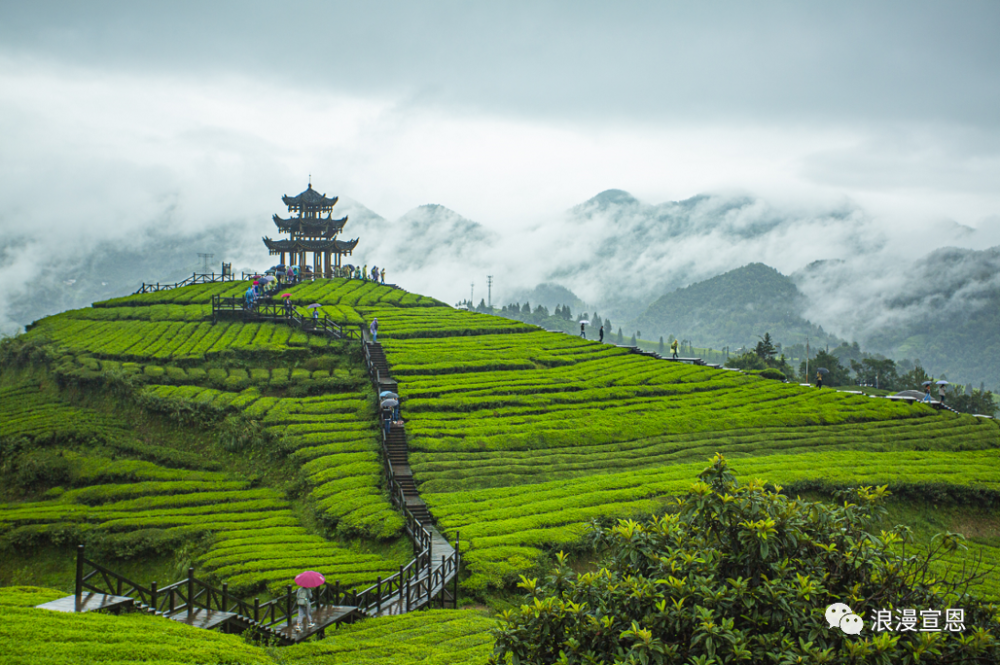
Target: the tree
(662, 348)
(747, 360)
(526, 308)
(765, 348)
(633, 341)
(743, 574)
(837, 376)
(979, 401)
(621, 337)
(914, 379)
(879, 372)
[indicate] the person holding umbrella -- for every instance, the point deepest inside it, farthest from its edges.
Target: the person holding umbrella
(373, 328)
(927, 391)
(388, 405)
(602, 335)
(583, 332)
(819, 377)
(310, 579)
(941, 390)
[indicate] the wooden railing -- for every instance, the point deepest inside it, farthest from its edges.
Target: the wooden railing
(417, 583)
(195, 278)
(191, 594)
(268, 308)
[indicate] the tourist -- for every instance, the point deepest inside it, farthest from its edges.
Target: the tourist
(383, 275)
(289, 275)
(673, 349)
(927, 393)
(364, 273)
(941, 393)
(373, 328)
(375, 274)
(602, 335)
(305, 609)
(819, 379)
(583, 333)
(315, 313)
(387, 418)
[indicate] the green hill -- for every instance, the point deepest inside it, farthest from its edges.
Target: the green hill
(249, 450)
(36, 637)
(733, 309)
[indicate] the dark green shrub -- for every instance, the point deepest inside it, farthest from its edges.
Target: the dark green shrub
(39, 469)
(744, 574)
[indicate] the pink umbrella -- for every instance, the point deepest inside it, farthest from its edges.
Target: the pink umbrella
(256, 283)
(286, 295)
(310, 579)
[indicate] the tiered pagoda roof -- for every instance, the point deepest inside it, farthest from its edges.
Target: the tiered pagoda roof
(310, 227)
(304, 245)
(309, 201)
(309, 230)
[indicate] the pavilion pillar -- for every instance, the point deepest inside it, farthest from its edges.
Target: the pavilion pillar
(282, 258)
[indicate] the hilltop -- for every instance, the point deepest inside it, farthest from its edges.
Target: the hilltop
(250, 450)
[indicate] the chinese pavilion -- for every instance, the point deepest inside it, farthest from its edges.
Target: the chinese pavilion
(310, 231)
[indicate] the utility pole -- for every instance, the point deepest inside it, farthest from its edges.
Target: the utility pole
(489, 292)
(205, 258)
(807, 360)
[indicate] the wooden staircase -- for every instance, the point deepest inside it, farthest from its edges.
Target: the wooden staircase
(430, 579)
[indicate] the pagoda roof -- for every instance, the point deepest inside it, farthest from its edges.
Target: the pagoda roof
(300, 245)
(316, 227)
(310, 199)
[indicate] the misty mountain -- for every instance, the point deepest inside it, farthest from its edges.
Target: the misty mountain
(548, 294)
(113, 269)
(612, 253)
(942, 308)
(733, 309)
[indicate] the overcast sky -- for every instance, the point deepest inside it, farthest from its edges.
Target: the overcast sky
(122, 114)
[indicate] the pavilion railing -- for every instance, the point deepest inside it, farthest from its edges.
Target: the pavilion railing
(268, 308)
(195, 278)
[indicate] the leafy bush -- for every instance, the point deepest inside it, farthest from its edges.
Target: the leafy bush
(743, 574)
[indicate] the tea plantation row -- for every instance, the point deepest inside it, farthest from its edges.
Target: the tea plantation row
(36, 637)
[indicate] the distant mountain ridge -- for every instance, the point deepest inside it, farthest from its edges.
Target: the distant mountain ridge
(733, 309)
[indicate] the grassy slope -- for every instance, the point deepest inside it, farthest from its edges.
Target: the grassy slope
(439, 636)
(518, 436)
(57, 638)
(130, 472)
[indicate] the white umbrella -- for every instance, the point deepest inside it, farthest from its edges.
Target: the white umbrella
(943, 383)
(585, 321)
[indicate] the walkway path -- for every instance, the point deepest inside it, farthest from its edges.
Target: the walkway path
(430, 579)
